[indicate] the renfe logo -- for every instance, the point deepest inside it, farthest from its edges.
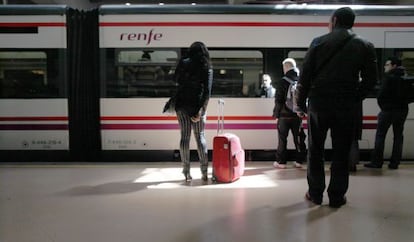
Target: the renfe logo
(148, 37)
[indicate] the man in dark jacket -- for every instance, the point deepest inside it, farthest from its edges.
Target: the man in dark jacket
(287, 119)
(394, 109)
(330, 80)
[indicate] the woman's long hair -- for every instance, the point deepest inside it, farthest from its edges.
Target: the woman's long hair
(198, 52)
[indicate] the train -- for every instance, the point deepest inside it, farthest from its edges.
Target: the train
(91, 85)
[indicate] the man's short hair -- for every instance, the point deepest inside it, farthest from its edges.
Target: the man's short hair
(266, 77)
(345, 17)
(394, 60)
(291, 61)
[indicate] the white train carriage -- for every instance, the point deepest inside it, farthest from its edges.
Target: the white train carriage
(140, 46)
(62, 91)
(33, 93)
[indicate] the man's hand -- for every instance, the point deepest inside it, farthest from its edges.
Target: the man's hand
(300, 114)
(299, 111)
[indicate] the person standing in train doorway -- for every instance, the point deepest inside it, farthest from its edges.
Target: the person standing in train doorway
(287, 120)
(393, 102)
(194, 76)
(330, 81)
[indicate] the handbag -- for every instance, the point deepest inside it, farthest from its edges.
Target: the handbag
(169, 106)
(301, 139)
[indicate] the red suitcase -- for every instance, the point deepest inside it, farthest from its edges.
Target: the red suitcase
(228, 154)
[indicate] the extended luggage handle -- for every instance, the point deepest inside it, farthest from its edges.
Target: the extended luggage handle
(220, 117)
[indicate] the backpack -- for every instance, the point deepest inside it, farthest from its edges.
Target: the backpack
(289, 103)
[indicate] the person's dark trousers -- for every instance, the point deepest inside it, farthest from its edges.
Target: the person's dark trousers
(284, 125)
(396, 118)
(337, 115)
(354, 155)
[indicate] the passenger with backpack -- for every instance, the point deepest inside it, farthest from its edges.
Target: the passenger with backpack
(287, 120)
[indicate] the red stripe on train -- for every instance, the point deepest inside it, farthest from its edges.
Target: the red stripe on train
(164, 118)
(248, 24)
(266, 126)
(209, 126)
(211, 24)
(34, 127)
(50, 118)
(35, 24)
(140, 118)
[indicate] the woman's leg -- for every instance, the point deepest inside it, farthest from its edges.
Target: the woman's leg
(201, 145)
(185, 127)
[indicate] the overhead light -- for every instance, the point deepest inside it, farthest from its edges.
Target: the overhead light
(127, 4)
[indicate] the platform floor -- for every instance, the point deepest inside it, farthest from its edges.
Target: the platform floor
(149, 202)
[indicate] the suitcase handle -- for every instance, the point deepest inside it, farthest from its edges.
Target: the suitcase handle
(220, 117)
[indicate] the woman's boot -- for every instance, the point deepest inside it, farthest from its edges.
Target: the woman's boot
(186, 172)
(204, 176)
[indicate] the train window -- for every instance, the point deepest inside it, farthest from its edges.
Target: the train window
(298, 56)
(31, 74)
(406, 55)
(141, 73)
(149, 73)
(236, 72)
(407, 58)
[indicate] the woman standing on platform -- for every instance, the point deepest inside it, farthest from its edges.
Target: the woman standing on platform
(194, 75)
